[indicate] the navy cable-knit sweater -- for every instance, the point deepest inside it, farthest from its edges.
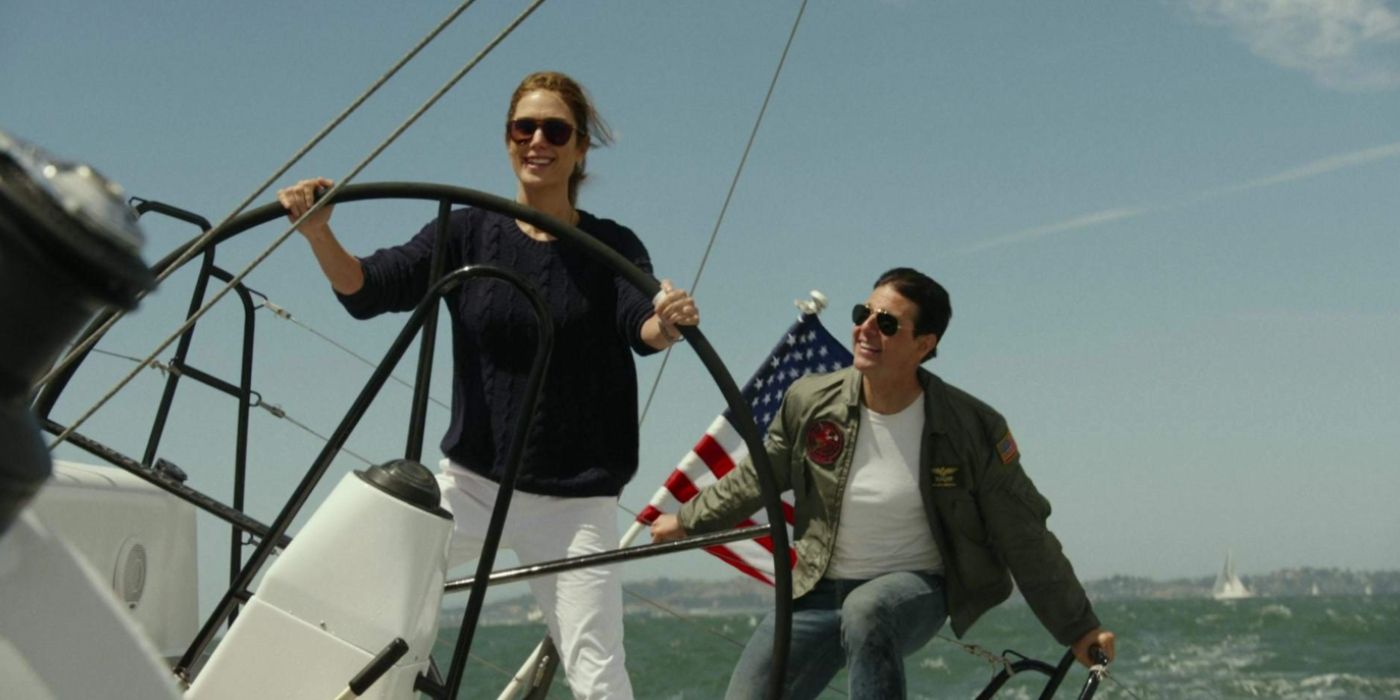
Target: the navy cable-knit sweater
(584, 438)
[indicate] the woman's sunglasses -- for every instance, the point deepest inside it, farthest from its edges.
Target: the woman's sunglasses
(556, 131)
(884, 320)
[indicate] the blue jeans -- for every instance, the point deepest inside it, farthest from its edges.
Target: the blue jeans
(868, 626)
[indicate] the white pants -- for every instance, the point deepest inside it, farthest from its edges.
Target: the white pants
(583, 607)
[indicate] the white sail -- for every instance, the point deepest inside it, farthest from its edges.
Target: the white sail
(1228, 585)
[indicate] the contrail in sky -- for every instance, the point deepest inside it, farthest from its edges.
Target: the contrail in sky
(1318, 167)
(1078, 222)
(1321, 166)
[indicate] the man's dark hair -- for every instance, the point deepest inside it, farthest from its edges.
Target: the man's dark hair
(929, 297)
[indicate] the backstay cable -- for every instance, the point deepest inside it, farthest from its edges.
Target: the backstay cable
(341, 183)
(733, 185)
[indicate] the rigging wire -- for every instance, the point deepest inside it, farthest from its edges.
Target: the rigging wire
(285, 315)
(155, 364)
(198, 245)
(1122, 685)
(279, 412)
(340, 184)
(272, 409)
(733, 185)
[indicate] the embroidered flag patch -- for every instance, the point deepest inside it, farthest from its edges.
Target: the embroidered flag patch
(1006, 448)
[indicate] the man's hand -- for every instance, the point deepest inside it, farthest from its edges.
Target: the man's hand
(1094, 637)
(666, 528)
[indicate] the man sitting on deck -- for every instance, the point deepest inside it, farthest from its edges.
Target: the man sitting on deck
(911, 507)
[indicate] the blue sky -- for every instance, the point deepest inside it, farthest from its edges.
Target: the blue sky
(1168, 228)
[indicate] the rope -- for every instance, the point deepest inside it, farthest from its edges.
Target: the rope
(982, 653)
(344, 180)
(733, 185)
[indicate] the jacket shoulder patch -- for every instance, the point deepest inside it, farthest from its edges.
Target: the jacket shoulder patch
(1006, 449)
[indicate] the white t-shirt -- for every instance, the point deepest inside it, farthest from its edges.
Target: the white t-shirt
(883, 525)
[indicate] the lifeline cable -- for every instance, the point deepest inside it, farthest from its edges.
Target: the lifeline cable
(340, 184)
(285, 315)
(272, 409)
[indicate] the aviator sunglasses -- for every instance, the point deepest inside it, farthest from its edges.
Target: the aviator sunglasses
(556, 131)
(884, 320)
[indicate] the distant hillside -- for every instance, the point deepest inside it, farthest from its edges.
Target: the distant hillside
(1287, 583)
(743, 595)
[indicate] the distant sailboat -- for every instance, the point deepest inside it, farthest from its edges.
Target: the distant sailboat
(1228, 585)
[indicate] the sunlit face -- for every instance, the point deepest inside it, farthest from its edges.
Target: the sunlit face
(880, 356)
(540, 165)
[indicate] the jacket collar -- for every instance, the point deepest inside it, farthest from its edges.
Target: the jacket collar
(937, 411)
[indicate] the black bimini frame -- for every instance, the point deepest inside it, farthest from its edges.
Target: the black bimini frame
(271, 537)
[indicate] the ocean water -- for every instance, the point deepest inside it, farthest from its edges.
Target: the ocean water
(1345, 647)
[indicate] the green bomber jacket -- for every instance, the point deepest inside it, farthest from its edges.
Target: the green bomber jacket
(986, 516)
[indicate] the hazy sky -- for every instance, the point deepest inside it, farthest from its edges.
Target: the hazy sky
(1169, 229)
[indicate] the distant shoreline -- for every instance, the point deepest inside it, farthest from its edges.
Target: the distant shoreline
(742, 595)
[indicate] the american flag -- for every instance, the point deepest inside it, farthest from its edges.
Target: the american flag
(804, 348)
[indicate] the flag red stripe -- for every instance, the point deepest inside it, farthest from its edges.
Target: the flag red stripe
(729, 557)
(713, 455)
(766, 542)
(680, 486)
(719, 462)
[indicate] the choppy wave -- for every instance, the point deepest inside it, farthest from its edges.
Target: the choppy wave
(1305, 648)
